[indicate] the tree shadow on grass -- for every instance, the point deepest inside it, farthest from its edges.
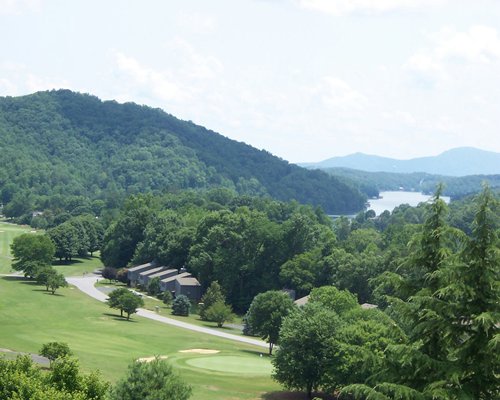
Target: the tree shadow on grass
(78, 260)
(64, 262)
(21, 279)
(52, 294)
(117, 317)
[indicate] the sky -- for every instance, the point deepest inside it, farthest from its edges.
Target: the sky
(304, 79)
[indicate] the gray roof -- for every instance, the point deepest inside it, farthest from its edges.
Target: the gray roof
(188, 281)
(150, 271)
(164, 272)
(140, 267)
(302, 301)
(173, 278)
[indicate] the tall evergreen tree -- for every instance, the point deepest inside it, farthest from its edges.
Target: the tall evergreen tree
(454, 353)
(472, 293)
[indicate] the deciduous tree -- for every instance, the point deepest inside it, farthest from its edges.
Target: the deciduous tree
(31, 251)
(55, 350)
(266, 314)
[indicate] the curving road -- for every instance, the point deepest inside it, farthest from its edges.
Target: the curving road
(86, 285)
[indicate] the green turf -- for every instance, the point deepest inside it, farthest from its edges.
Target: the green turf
(79, 265)
(233, 364)
(101, 340)
(193, 318)
(8, 232)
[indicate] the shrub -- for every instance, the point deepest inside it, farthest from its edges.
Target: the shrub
(181, 306)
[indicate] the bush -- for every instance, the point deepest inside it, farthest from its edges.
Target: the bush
(121, 275)
(181, 306)
(109, 273)
(153, 380)
(167, 298)
(154, 286)
(219, 312)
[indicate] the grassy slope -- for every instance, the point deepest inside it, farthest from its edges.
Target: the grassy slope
(193, 318)
(30, 317)
(7, 233)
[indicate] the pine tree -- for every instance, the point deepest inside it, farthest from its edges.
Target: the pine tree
(473, 293)
(455, 346)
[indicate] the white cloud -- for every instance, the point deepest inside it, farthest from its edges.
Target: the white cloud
(345, 7)
(195, 22)
(17, 7)
(195, 64)
(7, 86)
(35, 83)
(159, 83)
(478, 45)
(338, 94)
(19, 79)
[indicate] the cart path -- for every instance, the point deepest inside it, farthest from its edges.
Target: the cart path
(86, 285)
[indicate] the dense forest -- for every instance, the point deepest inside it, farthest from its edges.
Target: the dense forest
(62, 150)
(371, 183)
(250, 245)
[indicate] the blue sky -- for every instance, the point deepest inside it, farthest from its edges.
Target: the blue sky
(303, 79)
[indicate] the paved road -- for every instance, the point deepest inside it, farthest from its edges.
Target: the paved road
(86, 285)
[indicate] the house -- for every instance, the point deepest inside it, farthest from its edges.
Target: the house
(143, 276)
(168, 284)
(188, 286)
(302, 301)
(133, 273)
(164, 273)
(171, 280)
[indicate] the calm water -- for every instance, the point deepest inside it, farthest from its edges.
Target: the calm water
(390, 200)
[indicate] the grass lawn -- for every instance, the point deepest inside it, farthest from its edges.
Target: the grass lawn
(193, 318)
(78, 265)
(101, 340)
(8, 232)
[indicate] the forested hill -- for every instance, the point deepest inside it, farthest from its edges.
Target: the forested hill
(61, 142)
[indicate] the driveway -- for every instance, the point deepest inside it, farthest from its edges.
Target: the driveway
(86, 285)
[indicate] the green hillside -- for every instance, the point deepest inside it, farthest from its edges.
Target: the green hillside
(371, 183)
(70, 144)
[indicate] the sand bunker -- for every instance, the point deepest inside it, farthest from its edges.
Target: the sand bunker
(200, 351)
(149, 359)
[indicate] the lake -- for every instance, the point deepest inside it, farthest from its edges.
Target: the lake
(390, 200)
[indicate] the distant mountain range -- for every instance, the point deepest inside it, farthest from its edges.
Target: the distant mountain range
(460, 161)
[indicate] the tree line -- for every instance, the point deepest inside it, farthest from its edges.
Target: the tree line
(434, 334)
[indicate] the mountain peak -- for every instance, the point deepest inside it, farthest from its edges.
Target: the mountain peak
(450, 162)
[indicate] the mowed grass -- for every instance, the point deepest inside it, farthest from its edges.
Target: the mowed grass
(151, 303)
(29, 317)
(101, 340)
(8, 232)
(79, 265)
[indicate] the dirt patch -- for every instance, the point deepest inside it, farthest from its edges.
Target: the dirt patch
(200, 351)
(149, 359)
(6, 351)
